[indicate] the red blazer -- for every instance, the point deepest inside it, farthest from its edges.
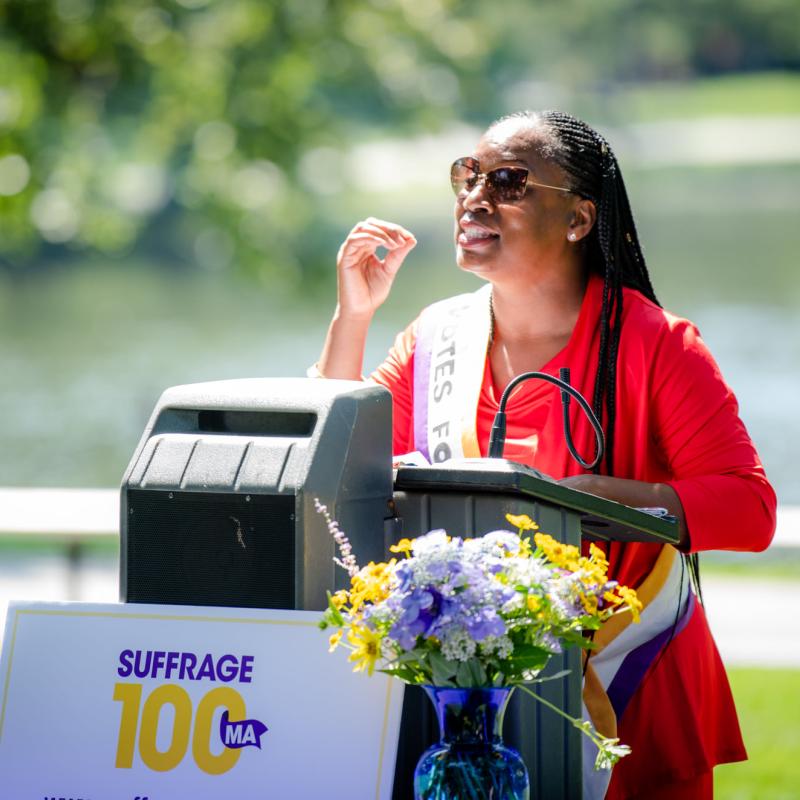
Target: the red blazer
(677, 422)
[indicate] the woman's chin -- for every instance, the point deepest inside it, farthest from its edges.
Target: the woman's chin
(473, 261)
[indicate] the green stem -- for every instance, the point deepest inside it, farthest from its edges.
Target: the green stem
(591, 733)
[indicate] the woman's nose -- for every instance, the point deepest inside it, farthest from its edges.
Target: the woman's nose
(477, 197)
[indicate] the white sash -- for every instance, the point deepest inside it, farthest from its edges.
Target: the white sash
(449, 361)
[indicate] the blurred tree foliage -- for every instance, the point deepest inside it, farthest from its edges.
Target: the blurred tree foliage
(204, 131)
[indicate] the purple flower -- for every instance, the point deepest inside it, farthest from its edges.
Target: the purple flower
(486, 624)
(438, 570)
(404, 573)
(416, 601)
(419, 610)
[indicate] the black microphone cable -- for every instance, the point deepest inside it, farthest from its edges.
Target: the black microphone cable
(497, 437)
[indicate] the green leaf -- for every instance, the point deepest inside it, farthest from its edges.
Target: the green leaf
(479, 676)
(404, 674)
(526, 657)
(411, 655)
(545, 678)
(464, 677)
(444, 665)
(525, 651)
(336, 615)
(443, 670)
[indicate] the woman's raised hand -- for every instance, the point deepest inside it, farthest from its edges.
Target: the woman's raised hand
(364, 280)
(364, 283)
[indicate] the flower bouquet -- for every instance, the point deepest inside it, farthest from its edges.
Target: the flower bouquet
(484, 613)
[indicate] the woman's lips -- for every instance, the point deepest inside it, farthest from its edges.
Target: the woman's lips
(474, 237)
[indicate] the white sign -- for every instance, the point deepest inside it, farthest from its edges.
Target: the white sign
(115, 702)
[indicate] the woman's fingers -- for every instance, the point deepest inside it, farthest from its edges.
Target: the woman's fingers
(362, 238)
(394, 258)
(380, 227)
(364, 279)
(389, 227)
(370, 234)
(359, 253)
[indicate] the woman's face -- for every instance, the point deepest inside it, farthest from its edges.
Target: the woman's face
(495, 238)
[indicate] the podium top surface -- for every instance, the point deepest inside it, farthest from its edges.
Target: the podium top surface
(600, 518)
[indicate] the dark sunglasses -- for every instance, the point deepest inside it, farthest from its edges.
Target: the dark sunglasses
(504, 184)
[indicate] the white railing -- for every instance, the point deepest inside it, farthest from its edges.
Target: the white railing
(71, 518)
(76, 516)
(61, 514)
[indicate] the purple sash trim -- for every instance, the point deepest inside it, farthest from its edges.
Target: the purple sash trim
(637, 662)
(423, 350)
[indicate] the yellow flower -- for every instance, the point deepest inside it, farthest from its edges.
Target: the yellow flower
(403, 546)
(591, 574)
(565, 556)
(522, 521)
(525, 550)
(594, 568)
(334, 640)
(631, 601)
(589, 603)
(534, 603)
(366, 648)
(598, 556)
(610, 597)
(371, 584)
(623, 595)
(339, 599)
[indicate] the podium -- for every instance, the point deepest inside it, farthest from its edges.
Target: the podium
(471, 497)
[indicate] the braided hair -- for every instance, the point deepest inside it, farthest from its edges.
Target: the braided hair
(613, 244)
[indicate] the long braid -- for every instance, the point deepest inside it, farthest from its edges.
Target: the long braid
(613, 245)
(600, 380)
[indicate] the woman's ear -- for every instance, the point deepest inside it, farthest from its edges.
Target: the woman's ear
(584, 216)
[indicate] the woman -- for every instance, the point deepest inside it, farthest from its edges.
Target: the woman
(542, 216)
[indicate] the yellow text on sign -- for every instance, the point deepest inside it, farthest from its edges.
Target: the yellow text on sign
(130, 695)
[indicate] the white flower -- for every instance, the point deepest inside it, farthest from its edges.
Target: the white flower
(430, 541)
(388, 649)
(609, 752)
(458, 646)
(501, 646)
(528, 571)
(516, 603)
(498, 543)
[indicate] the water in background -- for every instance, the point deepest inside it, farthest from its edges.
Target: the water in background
(85, 353)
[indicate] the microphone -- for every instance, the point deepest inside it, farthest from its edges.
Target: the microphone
(497, 437)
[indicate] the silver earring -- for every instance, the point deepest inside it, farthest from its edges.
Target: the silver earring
(572, 236)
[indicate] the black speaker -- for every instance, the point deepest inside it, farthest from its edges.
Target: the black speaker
(218, 502)
(211, 549)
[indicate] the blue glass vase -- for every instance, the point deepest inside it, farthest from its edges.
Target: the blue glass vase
(470, 762)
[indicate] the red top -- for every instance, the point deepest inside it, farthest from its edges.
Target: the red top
(677, 422)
